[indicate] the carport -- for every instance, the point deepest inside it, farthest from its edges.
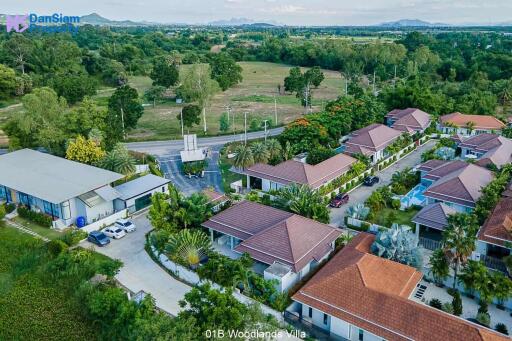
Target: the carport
(136, 194)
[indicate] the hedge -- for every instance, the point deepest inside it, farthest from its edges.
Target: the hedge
(38, 218)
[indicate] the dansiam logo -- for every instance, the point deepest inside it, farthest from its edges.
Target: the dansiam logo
(57, 22)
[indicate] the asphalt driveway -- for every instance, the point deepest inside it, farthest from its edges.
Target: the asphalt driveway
(140, 272)
(360, 194)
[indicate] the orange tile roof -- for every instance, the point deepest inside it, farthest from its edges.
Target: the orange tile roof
(480, 121)
(497, 229)
(372, 293)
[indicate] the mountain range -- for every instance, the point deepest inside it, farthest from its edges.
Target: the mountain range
(410, 23)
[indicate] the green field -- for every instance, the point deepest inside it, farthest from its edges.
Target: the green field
(399, 217)
(254, 95)
(32, 305)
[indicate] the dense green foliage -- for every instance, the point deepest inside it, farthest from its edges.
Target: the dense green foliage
(38, 218)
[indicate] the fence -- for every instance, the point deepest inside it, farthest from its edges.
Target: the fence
(306, 326)
(109, 220)
(494, 263)
(429, 244)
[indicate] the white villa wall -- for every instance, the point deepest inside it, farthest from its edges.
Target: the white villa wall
(317, 319)
(111, 219)
(285, 282)
(131, 202)
(456, 207)
(99, 211)
(340, 327)
(267, 185)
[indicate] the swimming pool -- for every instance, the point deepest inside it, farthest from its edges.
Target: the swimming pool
(414, 197)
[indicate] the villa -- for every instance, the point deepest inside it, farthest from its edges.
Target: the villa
(60, 188)
(359, 296)
(371, 141)
(266, 177)
(410, 120)
(457, 184)
(469, 125)
(495, 236)
(433, 216)
(284, 245)
(487, 149)
(72, 192)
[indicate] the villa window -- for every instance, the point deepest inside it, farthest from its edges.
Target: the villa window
(325, 318)
(3, 193)
(310, 312)
(361, 335)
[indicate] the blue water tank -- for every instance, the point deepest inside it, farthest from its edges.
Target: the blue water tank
(80, 222)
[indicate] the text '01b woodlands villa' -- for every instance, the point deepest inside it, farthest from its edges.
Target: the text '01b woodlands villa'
(285, 246)
(70, 191)
(360, 296)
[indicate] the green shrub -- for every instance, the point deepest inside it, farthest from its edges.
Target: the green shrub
(447, 307)
(456, 303)
(395, 204)
(435, 303)
(484, 319)
(9, 207)
(56, 247)
(38, 218)
(2, 211)
(502, 328)
(73, 237)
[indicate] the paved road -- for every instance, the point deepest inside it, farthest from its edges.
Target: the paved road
(171, 167)
(360, 194)
(139, 272)
(170, 147)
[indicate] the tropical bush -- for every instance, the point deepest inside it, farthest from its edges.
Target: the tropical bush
(304, 201)
(194, 167)
(36, 217)
(9, 207)
(73, 237)
(400, 244)
(436, 303)
(56, 247)
(358, 211)
(484, 319)
(502, 328)
(189, 247)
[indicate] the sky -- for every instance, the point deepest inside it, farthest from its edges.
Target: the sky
(289, 12)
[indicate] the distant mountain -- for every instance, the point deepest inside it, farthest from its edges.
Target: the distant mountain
(96, 19)
(242, 22)
(410, 23)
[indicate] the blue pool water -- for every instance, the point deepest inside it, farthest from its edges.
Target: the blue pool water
(340, 149)
(414, 197)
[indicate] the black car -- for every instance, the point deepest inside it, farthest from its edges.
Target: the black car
(371, 180)
(98, 238)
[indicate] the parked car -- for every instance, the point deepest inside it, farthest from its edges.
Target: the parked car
(98, 238)
(126, 225)
(114, 232)
(371, 180)
(340, 199)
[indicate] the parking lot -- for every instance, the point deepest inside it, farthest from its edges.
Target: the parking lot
(139, 271)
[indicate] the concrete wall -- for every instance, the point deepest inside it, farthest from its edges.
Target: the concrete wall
(267, 185)
(111, 219)
(317, 317)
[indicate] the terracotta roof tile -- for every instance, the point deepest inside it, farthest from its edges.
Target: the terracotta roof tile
(271, 235)
(480, 121)
(293, 171)
(372, 293)
(497, 229)
(410, 119)
(374, 137)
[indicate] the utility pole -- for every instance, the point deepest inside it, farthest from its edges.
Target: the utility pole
(122, 122)
(374, 82)
(245, 128)
(394, 79)
(228, 109)
(346, 86)
(265, 121)
(181, 116)
(275, 110)
(204, 119)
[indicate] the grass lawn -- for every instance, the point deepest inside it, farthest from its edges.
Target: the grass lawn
(32, 305)
(400, 217)
(254, 95)
(228, 177)
(43, 231)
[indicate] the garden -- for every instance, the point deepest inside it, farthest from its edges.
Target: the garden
(178, 234)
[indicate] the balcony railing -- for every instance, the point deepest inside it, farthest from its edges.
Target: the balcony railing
(429, 244)
(494, 263)
(306, 326)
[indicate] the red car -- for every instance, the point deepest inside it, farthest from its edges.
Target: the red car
(340, 199)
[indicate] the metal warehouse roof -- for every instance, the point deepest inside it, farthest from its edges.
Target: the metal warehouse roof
(49, 177)
(140, 185)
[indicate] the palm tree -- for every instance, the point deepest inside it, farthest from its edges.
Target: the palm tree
(118, 160)
(470, 126)
(288, 151)
(243, 158)
(303, 201)
(475, 277)
(189, 246)
(274, 148)
(439, 266)
(459, 240)
(182, 216)
(260, 152)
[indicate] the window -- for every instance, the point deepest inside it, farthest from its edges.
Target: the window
(361, 335)
(325, 318)
(163, 189)
(310, 312)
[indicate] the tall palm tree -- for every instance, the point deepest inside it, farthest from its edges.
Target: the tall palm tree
(260, 152)
(243, 157)
(274, 148)
(459, 240)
